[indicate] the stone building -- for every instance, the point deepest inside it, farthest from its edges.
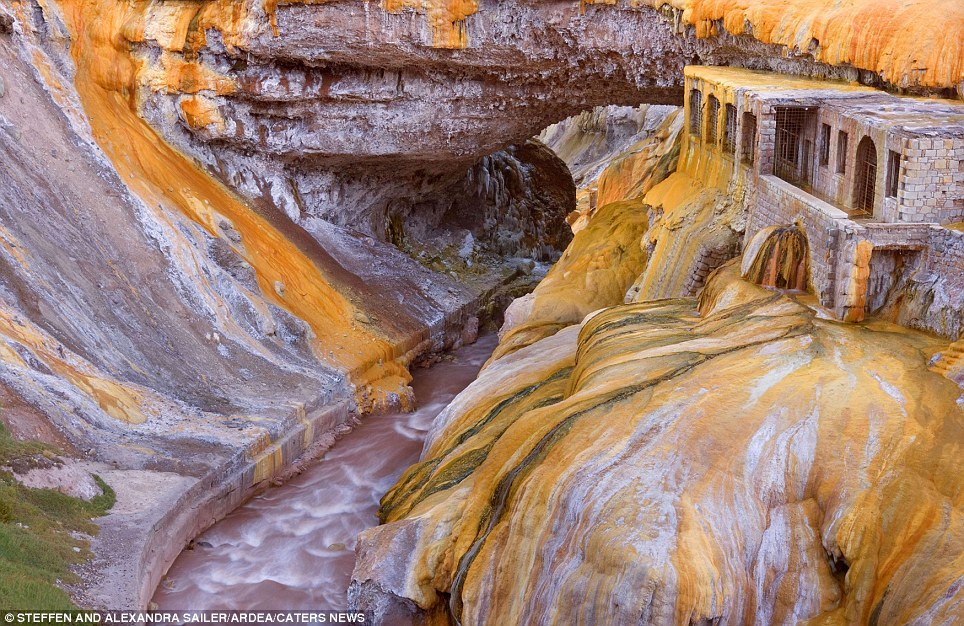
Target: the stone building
(874, 179)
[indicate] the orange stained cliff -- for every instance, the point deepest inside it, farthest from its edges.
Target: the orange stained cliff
(907, 42)
(446, 17)
(121, 402)
(108, 81)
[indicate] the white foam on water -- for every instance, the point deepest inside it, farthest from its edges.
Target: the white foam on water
(292, 547)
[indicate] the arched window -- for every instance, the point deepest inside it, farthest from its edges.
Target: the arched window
(865, 175)
(713, 122)
(696, 112)
(729, 130)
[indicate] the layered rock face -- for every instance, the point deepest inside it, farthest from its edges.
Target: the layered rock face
(203, 204)
(512, 203)
(191, 338)
(251, 290)
(730, 460)
(316, 107)
(309, 133)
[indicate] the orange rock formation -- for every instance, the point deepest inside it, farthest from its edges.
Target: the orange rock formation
(735, 460)
(109, 81)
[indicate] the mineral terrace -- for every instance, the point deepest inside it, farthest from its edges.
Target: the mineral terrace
(727, 389)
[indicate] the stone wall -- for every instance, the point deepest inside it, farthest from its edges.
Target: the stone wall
(931, 181)
(776, 202)
(937, 256)
(932, 187)
(838, 185)
(848, 258)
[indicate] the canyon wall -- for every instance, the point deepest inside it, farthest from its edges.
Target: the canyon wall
(317, 107)
(615, 153)
(212, 211)
(657, 439)
(275, 126)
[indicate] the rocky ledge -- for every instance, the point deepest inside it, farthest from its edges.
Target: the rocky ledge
(730, 459)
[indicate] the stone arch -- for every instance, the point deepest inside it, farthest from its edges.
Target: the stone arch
(865, 176)
(778, 257)
(424, 97)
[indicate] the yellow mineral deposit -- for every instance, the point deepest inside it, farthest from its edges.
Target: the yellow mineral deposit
(201, 112)
(951, 361)
(447, 18)
(895, 40)
(690, 222)
(594, 272)
(554, 486)
(268, 458)
(778, 256)
(643, 165)
(898, 41)
(120, 401)
(110, 80)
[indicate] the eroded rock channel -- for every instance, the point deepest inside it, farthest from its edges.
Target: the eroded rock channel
(294, 546)
(728, 240)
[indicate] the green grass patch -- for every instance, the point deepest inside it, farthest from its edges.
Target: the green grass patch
(37, 548)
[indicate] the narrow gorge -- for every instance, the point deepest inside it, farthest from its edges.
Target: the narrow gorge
(721, 244)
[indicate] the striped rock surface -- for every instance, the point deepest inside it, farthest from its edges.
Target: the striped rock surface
(729, 460)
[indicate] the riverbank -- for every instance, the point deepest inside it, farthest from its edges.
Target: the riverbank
(293, 545)
(159, 513)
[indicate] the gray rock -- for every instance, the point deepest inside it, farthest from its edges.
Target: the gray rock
(67, 478)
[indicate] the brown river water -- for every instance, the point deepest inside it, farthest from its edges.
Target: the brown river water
(293, 547)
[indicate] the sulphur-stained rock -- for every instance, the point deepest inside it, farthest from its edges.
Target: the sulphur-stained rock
(214, 218)
(615, 153)
(341, 111)
(302, 54)
(694, 228)
(589, 141)
(594, 272)
(249, 291)
(950, 362)
(645, 163)
(731, 460)
(109, 330)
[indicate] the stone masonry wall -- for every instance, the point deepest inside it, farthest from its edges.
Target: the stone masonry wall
(928, 195)
(777, 202)
(932, 187)
(839, 186)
